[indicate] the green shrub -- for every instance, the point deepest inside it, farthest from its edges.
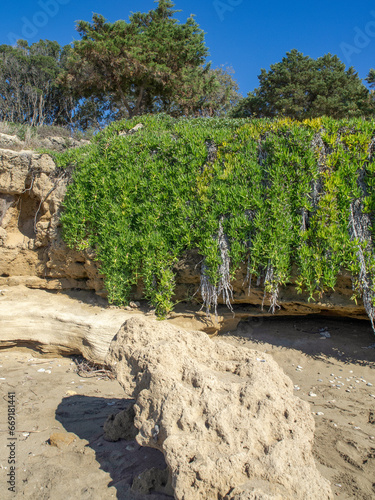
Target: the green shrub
(268, 193)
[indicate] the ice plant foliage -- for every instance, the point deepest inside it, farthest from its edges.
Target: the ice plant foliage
(269, 193)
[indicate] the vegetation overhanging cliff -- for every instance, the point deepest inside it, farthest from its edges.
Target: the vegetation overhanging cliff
(269, 193)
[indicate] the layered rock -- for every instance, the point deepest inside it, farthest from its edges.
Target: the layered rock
(225, 417)
(32, 252)
(58, 324)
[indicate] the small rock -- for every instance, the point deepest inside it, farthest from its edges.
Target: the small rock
(325, 335)
(132, 130)
(369, 384)
(41, 370)
(312, 394)
(70, 393)
(10, 142)
(62, 439)
(319, 413)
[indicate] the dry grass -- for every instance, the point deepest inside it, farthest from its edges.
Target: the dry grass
(32, 136)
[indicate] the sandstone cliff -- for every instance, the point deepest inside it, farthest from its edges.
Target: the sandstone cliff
(33, 254)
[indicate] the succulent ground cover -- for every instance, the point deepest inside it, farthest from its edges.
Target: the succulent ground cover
(270, 193)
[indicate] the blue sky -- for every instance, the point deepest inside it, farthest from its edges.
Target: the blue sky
(244, 34)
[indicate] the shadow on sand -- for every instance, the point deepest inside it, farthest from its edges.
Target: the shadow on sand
(123, 460)
(348, 340)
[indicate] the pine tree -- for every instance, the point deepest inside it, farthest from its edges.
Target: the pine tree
(148, 63)
(301, 87)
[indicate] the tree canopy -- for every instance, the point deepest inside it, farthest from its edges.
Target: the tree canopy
(300, 87)
(28, 89)
(151, 63)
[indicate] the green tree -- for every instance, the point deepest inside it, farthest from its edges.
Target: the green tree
(223, 96)
(150, 62)
(28, 90)
(301, 87)
(371, 78)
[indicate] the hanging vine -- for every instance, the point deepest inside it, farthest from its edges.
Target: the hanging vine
(270, 194)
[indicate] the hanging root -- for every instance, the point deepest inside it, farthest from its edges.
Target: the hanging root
(210, 293)
(248, 277)
(271, 286)
(359, 224)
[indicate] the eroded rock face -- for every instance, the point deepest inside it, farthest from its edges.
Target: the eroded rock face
(32, 252)
(225, 417)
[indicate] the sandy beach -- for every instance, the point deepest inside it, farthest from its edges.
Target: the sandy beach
(60, 451)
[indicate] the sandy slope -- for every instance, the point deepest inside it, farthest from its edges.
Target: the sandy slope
(92, 468)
